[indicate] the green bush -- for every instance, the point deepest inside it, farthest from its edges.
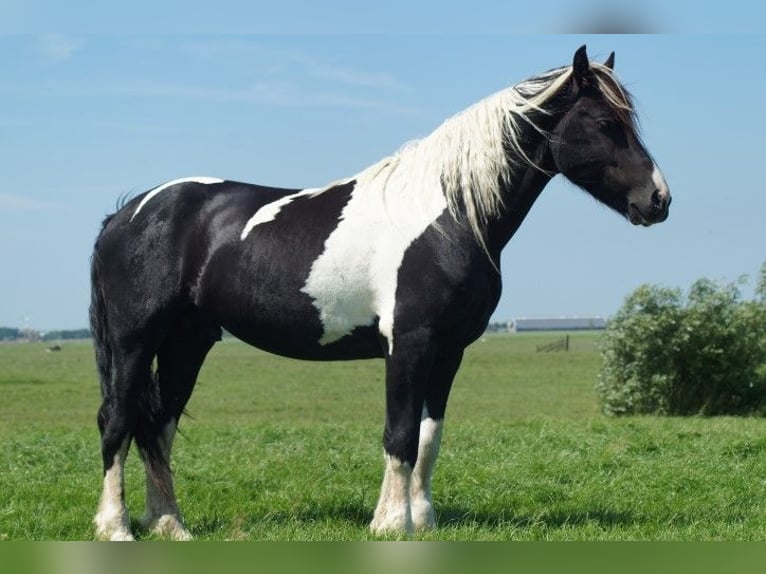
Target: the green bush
(703, 354)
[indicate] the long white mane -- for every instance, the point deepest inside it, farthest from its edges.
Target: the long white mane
(467, 156)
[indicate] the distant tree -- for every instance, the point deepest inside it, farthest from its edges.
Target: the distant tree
(9, 334)
(760, 290)
(704, 354)
(66, 335)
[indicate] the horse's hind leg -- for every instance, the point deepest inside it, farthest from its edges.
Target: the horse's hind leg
(162, 515)
(179, 360)
(122, 386)
(111, 519)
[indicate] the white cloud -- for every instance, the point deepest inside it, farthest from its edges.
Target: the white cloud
(351, 77)
(271, 92)
(15, 202)
(295, 64)
(58, 48)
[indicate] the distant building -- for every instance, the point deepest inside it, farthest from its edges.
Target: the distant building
(523, 324)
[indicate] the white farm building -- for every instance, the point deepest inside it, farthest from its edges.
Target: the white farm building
(523, 324)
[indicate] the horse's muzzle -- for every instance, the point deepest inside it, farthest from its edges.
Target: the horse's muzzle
(656, 211)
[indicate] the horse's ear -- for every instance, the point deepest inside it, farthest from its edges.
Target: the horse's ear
(610, 61)
(581, 68)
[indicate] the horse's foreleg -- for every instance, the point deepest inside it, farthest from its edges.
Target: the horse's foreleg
(392, 513)
(422, 511)
(407, 371)
(443, 372)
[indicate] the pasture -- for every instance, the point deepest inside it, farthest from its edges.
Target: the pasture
(277, 449)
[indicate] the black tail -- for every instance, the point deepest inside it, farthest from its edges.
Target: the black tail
(98, 322)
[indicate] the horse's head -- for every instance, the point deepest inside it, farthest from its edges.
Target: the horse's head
(596, 145)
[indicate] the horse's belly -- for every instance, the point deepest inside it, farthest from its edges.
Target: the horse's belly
(301, 342)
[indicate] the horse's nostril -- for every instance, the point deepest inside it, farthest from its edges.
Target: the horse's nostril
(657, 200)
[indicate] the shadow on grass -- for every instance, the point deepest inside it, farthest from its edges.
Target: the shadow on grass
(553, 519)
(352, 518)
(357, 517)
(241, 526)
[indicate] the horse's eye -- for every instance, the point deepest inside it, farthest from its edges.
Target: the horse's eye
(605, 125)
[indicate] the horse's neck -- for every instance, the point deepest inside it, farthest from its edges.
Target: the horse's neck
(526, 184)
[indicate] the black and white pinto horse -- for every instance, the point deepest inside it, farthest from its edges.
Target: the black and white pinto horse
(400, 261)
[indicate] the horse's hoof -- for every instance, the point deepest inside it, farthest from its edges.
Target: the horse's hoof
(167, 526)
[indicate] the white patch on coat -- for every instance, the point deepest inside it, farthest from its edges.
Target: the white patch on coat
(162, 515)
(354, 279)
(111, 520)
(269, 211)
(164, 186)
(392, 514)
(421, 504)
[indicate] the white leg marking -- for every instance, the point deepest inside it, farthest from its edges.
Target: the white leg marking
(111, 520)
(162, 515)
(420, 488)
(392, 515)
(269, 211)
(164, 186)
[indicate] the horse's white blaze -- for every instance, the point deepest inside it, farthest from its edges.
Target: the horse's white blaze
(164, 186)
(354, 279)
(269, 211)
(111, 520)
(420, 486)
(393, 511)
(660, 183)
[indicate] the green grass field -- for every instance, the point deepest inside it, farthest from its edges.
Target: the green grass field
(286, 450)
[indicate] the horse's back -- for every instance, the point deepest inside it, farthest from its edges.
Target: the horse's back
(153, 249)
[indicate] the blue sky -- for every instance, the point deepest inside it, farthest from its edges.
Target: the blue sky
(85, 119)
(401, 16)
